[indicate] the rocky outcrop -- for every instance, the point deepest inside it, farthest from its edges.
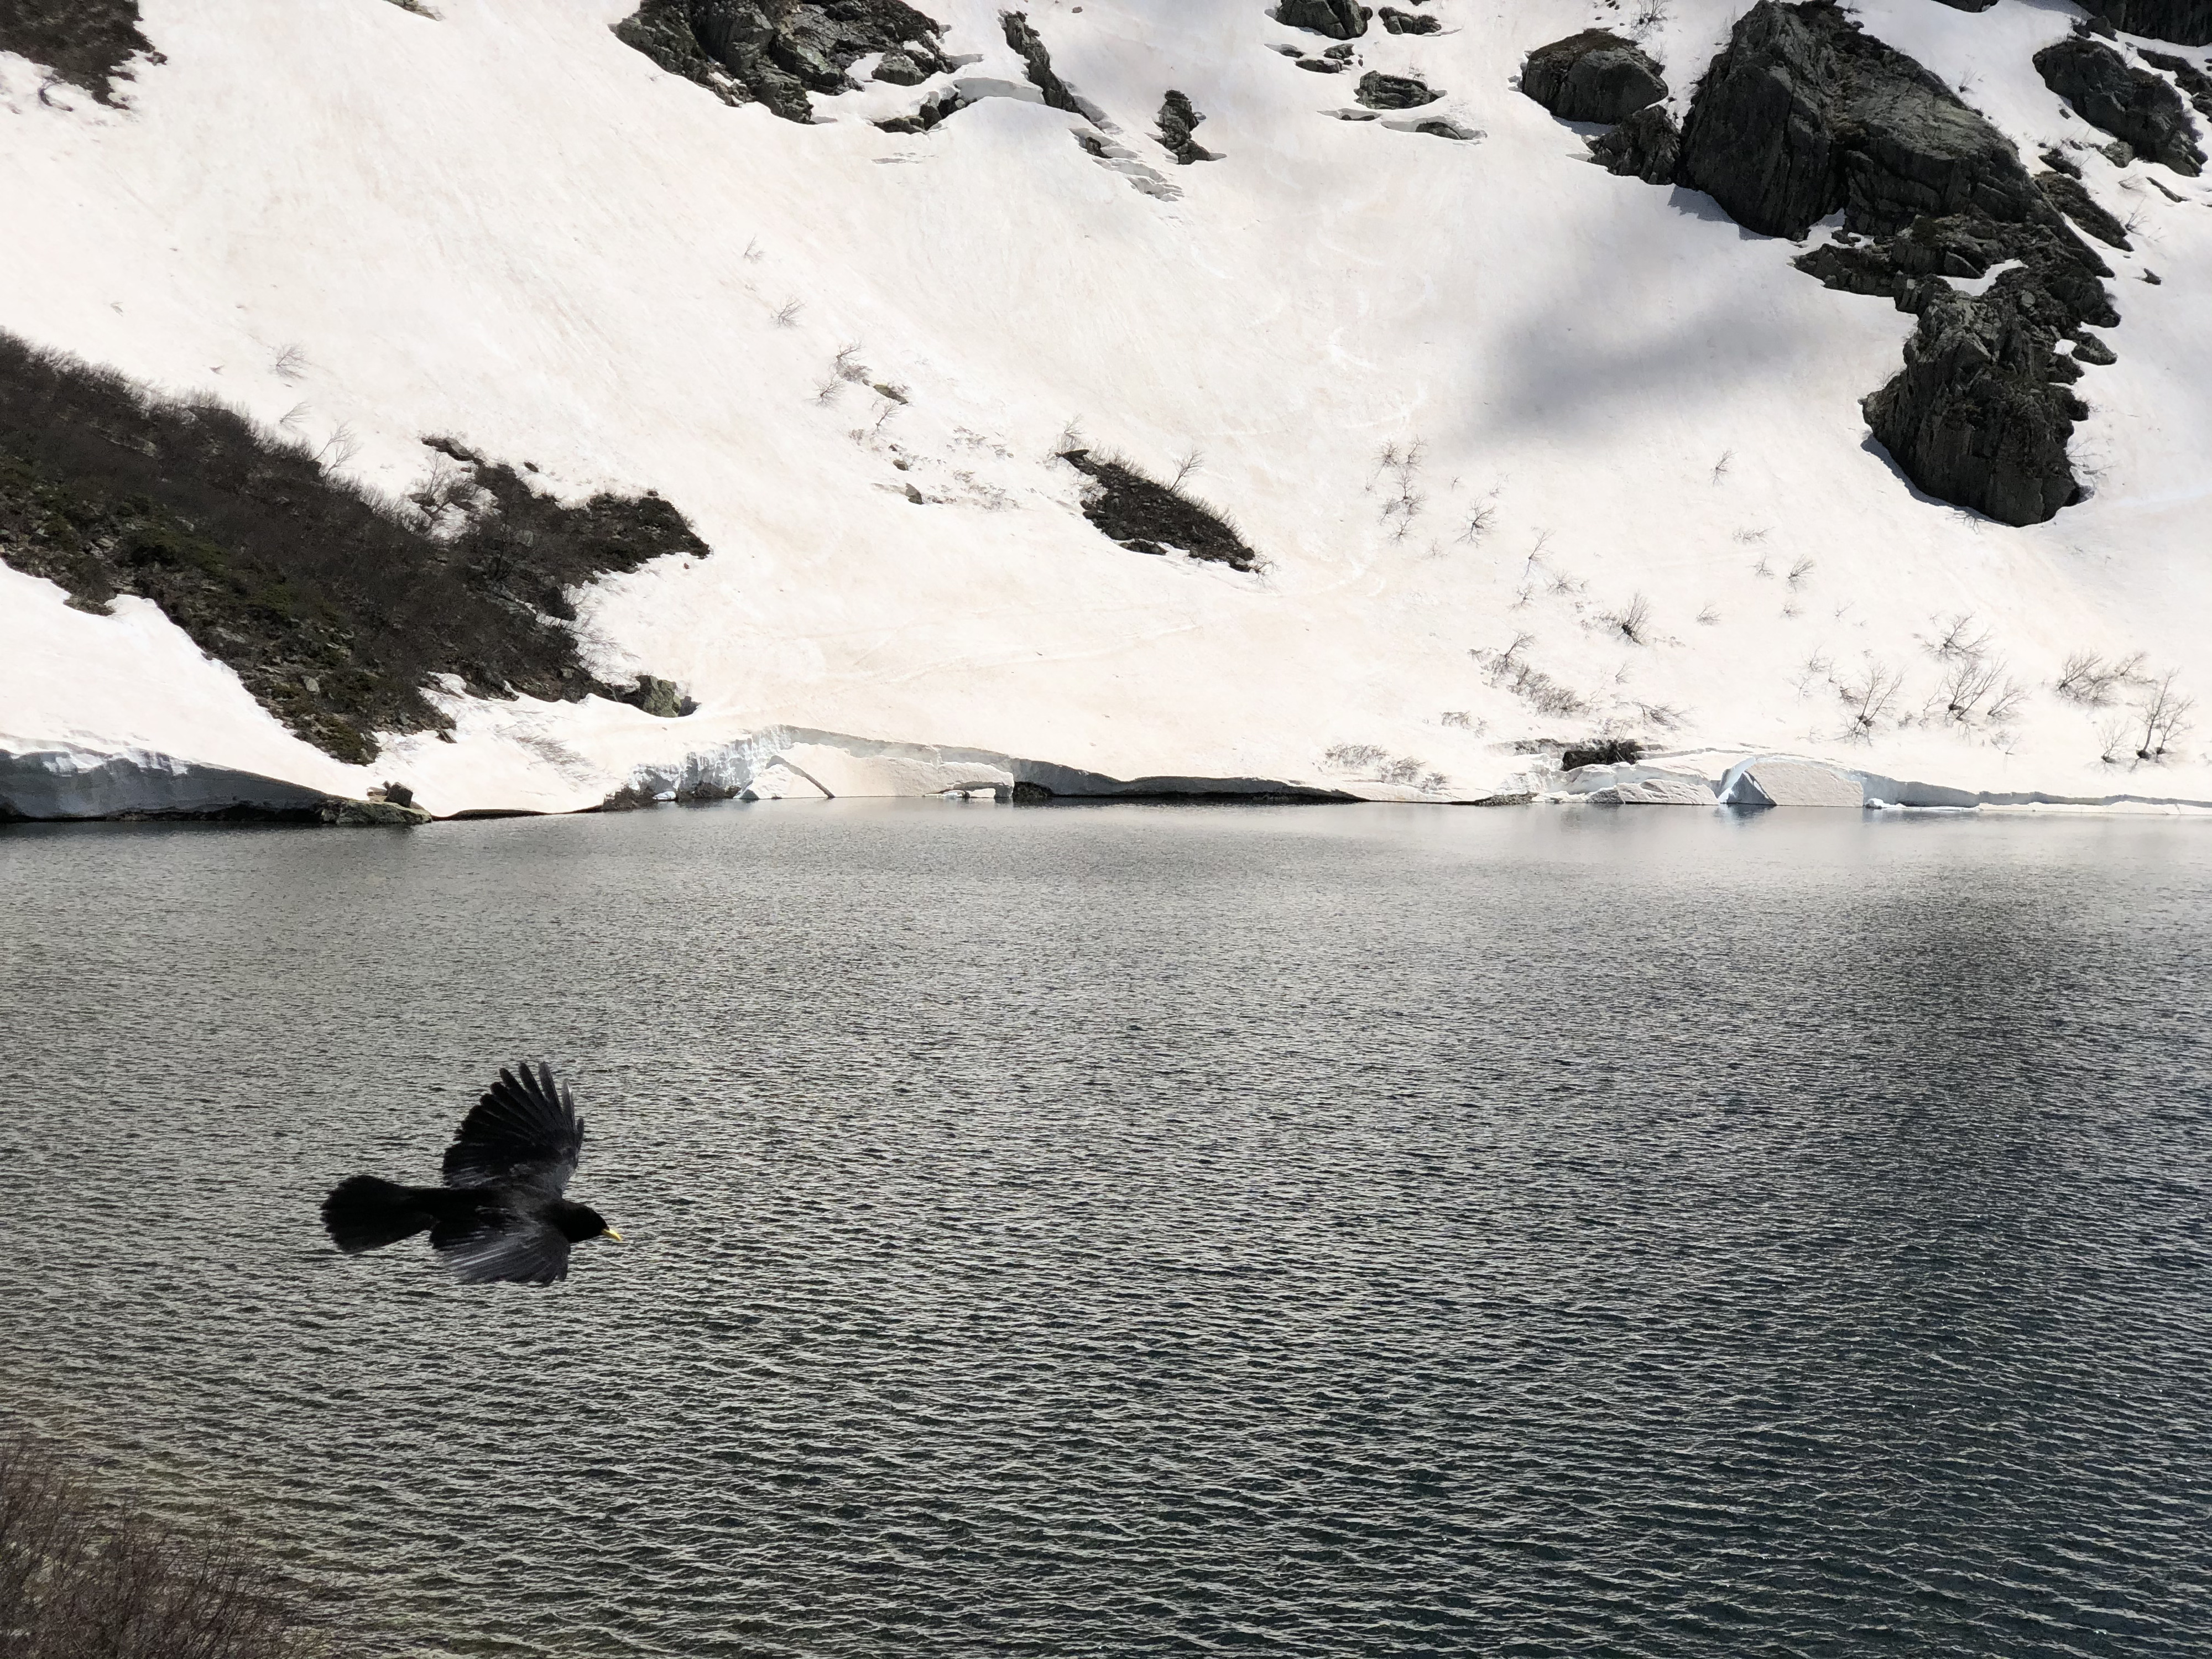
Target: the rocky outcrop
(2131, 104)
(2185, 22)
(1037, 61)
(1979, 417)
(1379, 91)
(1178, 125)
(775, 52)
(1646, 146)
(1340, 20)
(1595, 76)
(1803, 115)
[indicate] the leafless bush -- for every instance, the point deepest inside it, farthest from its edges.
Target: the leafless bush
(1071, 439)
(339, 448)
(1961, 636)
(1764, 570)
(848, 365)
(1661, 716)
(1747, 536)
(1721, 466)
(1868, 699)
(1402, 464)
(752, 253)
(2165, 716)
(1191, 460)
(1633, 620)
(1708, 617)
(1800, 570)
(2091, 681)
(291, 364)
(80, 1582)
(1459, 720)
(787, 314)
(1510, 669)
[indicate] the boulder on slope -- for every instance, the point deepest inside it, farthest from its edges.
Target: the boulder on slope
(2110, 93)
(1595, 76)
(1340, 20)
(2185, 22)
(1379, 91)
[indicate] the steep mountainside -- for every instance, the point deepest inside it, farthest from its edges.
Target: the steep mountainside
(1169, 394)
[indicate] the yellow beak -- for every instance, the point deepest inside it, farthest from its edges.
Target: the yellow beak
(612, 1233)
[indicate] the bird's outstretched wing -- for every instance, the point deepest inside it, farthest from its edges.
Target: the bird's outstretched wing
(526, 1133)
(498, 1248)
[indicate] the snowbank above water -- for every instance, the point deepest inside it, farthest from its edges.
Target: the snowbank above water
(506, 225)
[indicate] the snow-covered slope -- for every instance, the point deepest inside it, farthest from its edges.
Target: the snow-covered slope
(1604, 400)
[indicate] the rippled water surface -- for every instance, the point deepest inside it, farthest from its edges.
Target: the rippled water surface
(1129, 1232)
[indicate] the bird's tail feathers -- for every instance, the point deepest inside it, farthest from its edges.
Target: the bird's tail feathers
(365, 1213)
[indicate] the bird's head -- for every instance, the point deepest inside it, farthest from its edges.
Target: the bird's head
(588, 1222)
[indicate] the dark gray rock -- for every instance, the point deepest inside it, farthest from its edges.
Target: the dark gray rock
(2185, 22)
(1340, 20)
(2088, 349)
(1323, 65)
(1379, 91)
(2194, 81)
(1977, 416)
(1407, 22)
(777, 52)
(1646, 146)
(1178, 124)
(897, 69)
(1024, 39)
(2071, 197)
(2131, 104)
(935, 108)
(1802, 114)
(1592, 76)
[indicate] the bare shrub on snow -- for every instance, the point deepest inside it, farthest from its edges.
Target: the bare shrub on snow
(1633, 620)
(1402, 465)
(1868, 698)
(2164, 716)
(1510, 670)
(1961, 636)
(1375, 764)
(2091, 681)
(787, 314)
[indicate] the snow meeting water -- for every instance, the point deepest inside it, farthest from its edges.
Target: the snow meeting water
(1069, 1232)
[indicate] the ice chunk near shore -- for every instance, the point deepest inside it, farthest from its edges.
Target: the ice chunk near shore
(1789, 783)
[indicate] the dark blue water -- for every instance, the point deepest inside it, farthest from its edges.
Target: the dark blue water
(1132, 1231)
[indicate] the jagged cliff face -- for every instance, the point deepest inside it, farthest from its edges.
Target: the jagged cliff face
(1392, 449)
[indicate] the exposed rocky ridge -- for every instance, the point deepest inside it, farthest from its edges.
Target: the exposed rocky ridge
(2113, 96)
(334, 608)
(1024, 39)
(2185, 22)
(85, 42)
(1595, 76)
(2195, 82)
(775, 52)
(1803, 115)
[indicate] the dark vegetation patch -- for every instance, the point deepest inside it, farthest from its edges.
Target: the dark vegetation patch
(777, 52)
(335, 607)
(1601, 751)
(78, 1579)
(85, 42)
(1150, 517)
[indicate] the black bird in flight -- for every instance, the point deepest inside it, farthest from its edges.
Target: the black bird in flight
(500, 1217)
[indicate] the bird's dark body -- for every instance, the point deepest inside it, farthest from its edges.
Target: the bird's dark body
(501, 1215)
